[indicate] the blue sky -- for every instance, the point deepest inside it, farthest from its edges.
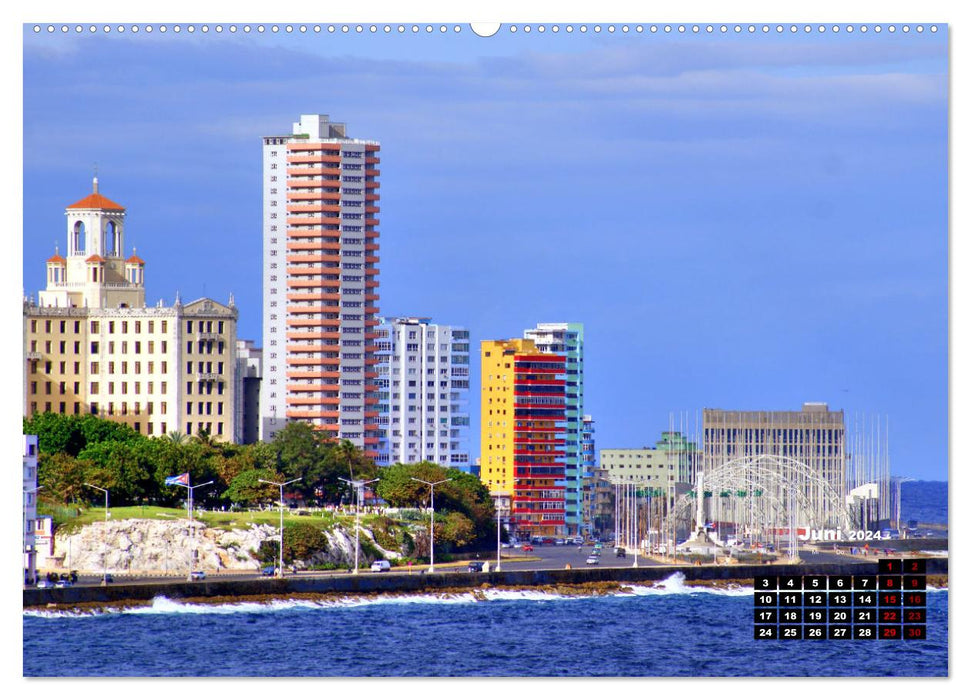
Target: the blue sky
(741, 221)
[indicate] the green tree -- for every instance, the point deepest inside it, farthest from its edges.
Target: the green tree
(62, 477)
(97, 429)
(124, 469)
(246, 487)
(55, 433)
(302, 541)
(463, 495)
(455, 529)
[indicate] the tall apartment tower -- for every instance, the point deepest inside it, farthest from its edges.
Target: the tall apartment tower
(320, 233)
(423, 388)
(91, 346)
(522, 422)
(567, 339)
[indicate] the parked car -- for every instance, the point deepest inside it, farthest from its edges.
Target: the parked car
(527, 548)
(197, 575)
(559, 541)
(268, 571)
(593, 559)
(63, 583)
(44, 583)
(475, 566)
(381, 565)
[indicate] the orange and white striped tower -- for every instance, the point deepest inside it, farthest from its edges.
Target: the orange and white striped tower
(320, 242)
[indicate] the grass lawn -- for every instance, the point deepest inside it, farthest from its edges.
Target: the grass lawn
(218, 519)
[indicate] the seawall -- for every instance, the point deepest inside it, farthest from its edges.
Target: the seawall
(368, 583)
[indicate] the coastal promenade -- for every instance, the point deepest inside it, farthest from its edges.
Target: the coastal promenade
(410, 583)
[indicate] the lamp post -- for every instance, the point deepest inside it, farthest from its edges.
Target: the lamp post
(279, 572)
(498, 538)
(358, 485)
(192, 530)
(104, 539)
(432, 485)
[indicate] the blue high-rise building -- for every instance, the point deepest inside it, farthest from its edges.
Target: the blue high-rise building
(567, 339)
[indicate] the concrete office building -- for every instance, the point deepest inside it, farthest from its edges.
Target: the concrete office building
(814, 436)
(647, 466)
(320, 242)
(423, 391)
(91, 345)
(249, 375)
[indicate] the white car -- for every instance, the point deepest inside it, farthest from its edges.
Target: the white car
(381, 565)
(593, 559)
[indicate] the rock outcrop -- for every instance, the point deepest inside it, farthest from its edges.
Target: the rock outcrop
(164, 547)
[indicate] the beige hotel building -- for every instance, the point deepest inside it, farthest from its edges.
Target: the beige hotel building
(92, 346)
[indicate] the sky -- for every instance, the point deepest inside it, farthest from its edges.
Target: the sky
(741, 221)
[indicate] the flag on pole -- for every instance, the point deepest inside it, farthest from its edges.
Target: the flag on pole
(180, 480)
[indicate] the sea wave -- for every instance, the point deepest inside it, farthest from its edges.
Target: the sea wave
(673, 585)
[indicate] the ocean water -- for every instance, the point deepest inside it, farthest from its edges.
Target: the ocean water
(923, 501)
(672, 631)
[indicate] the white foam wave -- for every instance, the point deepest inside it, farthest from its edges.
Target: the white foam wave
(674, 585)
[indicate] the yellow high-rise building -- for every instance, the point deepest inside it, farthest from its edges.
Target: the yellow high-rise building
(522, 442)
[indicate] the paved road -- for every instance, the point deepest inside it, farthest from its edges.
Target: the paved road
(542, 557)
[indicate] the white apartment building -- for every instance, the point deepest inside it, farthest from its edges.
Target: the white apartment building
(320, 233)
(30, 507)
(423, 390)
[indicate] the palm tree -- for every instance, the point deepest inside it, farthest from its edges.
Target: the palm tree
(205, 439)
(177, 437)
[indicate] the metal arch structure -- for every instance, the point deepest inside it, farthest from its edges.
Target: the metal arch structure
(769, 493)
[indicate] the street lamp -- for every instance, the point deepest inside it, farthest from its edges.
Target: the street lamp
(498, 540)
(358, 485)
(432, 485)
(279, 572)
(104, 539)
(173, 481)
